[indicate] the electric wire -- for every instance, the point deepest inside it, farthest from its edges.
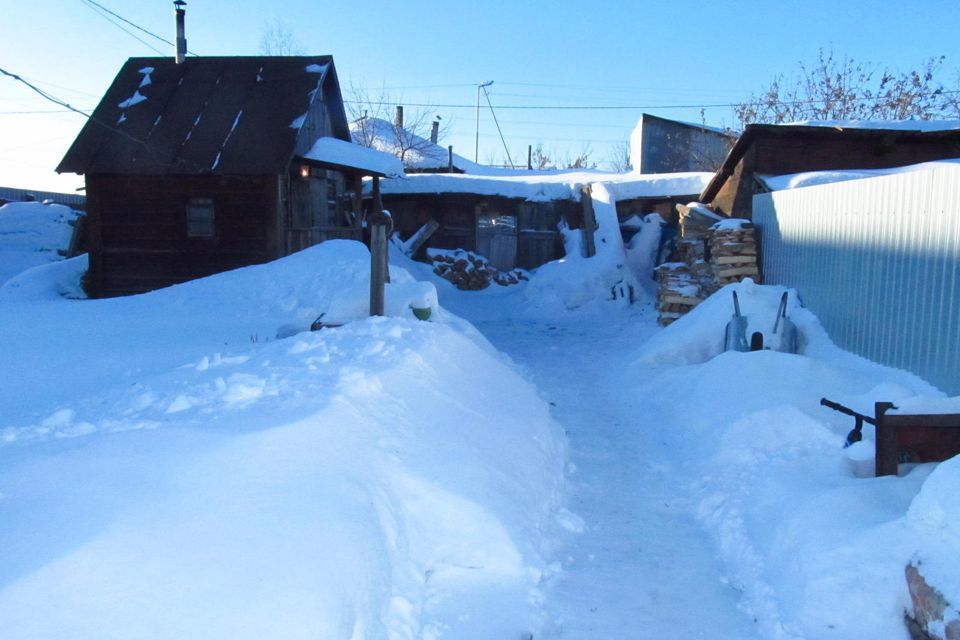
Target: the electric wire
(96, 5)
(489, 104)
(51, 98)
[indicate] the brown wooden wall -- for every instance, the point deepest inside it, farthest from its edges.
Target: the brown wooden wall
(538, 240)
(138, 229)
(787, 154)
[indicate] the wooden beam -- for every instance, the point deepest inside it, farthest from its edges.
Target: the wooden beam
(421, 236)
(378, 223)
(589, 221)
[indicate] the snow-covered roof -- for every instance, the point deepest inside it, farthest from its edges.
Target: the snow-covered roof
(890, 125)
(557, 185)
(421, 154)
(812, 178)
(345, 154)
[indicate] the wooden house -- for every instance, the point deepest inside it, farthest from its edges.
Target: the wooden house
(771, 150)
(203, 164)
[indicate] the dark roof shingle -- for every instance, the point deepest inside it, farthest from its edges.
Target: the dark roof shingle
(229, 115)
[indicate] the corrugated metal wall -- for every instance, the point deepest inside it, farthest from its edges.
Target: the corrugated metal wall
(878, 261)
(74, 200)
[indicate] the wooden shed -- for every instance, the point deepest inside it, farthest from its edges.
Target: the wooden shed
(201, 166)
(772, 149)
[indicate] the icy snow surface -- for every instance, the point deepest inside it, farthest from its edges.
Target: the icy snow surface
(170, 468)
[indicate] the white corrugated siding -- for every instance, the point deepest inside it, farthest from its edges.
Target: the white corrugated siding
(878, 261)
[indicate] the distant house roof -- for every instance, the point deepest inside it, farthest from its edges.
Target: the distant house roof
(336, 153)
(894, 131)
(545, 186)
(419, 154)
(230, 115)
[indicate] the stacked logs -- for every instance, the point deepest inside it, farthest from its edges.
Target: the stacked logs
(470, 272)
(678, 292)
(733, 251)
(713, 251)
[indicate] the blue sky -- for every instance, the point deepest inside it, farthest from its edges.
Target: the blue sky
(646, 56)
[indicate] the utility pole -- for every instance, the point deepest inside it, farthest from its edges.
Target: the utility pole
(476, 152)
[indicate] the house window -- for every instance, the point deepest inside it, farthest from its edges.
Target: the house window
(200, 218)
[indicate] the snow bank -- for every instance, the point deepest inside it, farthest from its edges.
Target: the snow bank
(171, 470)
(575, 281)
(31, 233)
(699, 335)
(815, 546)
(934, 516)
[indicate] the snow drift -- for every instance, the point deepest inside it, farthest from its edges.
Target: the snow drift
(172, 470)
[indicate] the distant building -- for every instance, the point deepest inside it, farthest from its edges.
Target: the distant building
(73, 200)
(212, 163)
(765, 150)
(659, 145)
(418, 154)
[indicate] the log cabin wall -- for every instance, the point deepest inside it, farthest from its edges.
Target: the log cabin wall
(318, 209)
(149, 232)
(538, 239)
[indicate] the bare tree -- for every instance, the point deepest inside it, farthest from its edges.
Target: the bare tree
(581, 160)
(620, 162)
(846, 89)
(276, 39)
(540, 159)
(374, 123)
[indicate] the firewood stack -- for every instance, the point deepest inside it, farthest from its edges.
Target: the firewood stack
(469, 271)
(679, 291)
(713, 251)
(733, 251)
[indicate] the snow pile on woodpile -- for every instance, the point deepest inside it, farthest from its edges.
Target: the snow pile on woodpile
(470, 271)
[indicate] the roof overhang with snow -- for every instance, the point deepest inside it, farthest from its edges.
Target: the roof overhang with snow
(853, 129)
(346, 156)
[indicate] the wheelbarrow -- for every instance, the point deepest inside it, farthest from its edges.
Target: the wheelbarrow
(736, 335)
(735, 338)
(787, 330)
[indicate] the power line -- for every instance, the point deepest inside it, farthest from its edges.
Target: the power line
(93, 7)
(487, 96)
(96, 5)
(51, 98)
(635, 107)
(39, 111)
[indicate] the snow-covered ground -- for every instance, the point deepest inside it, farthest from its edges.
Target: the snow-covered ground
(170, 467)
(31, 233)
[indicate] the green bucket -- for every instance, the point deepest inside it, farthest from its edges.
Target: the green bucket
(421, 313)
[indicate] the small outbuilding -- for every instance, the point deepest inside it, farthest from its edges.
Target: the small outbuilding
(765, 150)
(205, 164)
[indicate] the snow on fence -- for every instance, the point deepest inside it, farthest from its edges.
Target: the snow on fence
(878, 260)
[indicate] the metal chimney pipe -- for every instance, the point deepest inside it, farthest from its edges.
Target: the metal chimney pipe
(181, 31)
(399, 120)
(435, 132)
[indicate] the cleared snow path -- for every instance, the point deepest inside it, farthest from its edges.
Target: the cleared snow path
(640, 566)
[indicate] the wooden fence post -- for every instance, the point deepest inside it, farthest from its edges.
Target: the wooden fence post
(589, 221)
(378, 222)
